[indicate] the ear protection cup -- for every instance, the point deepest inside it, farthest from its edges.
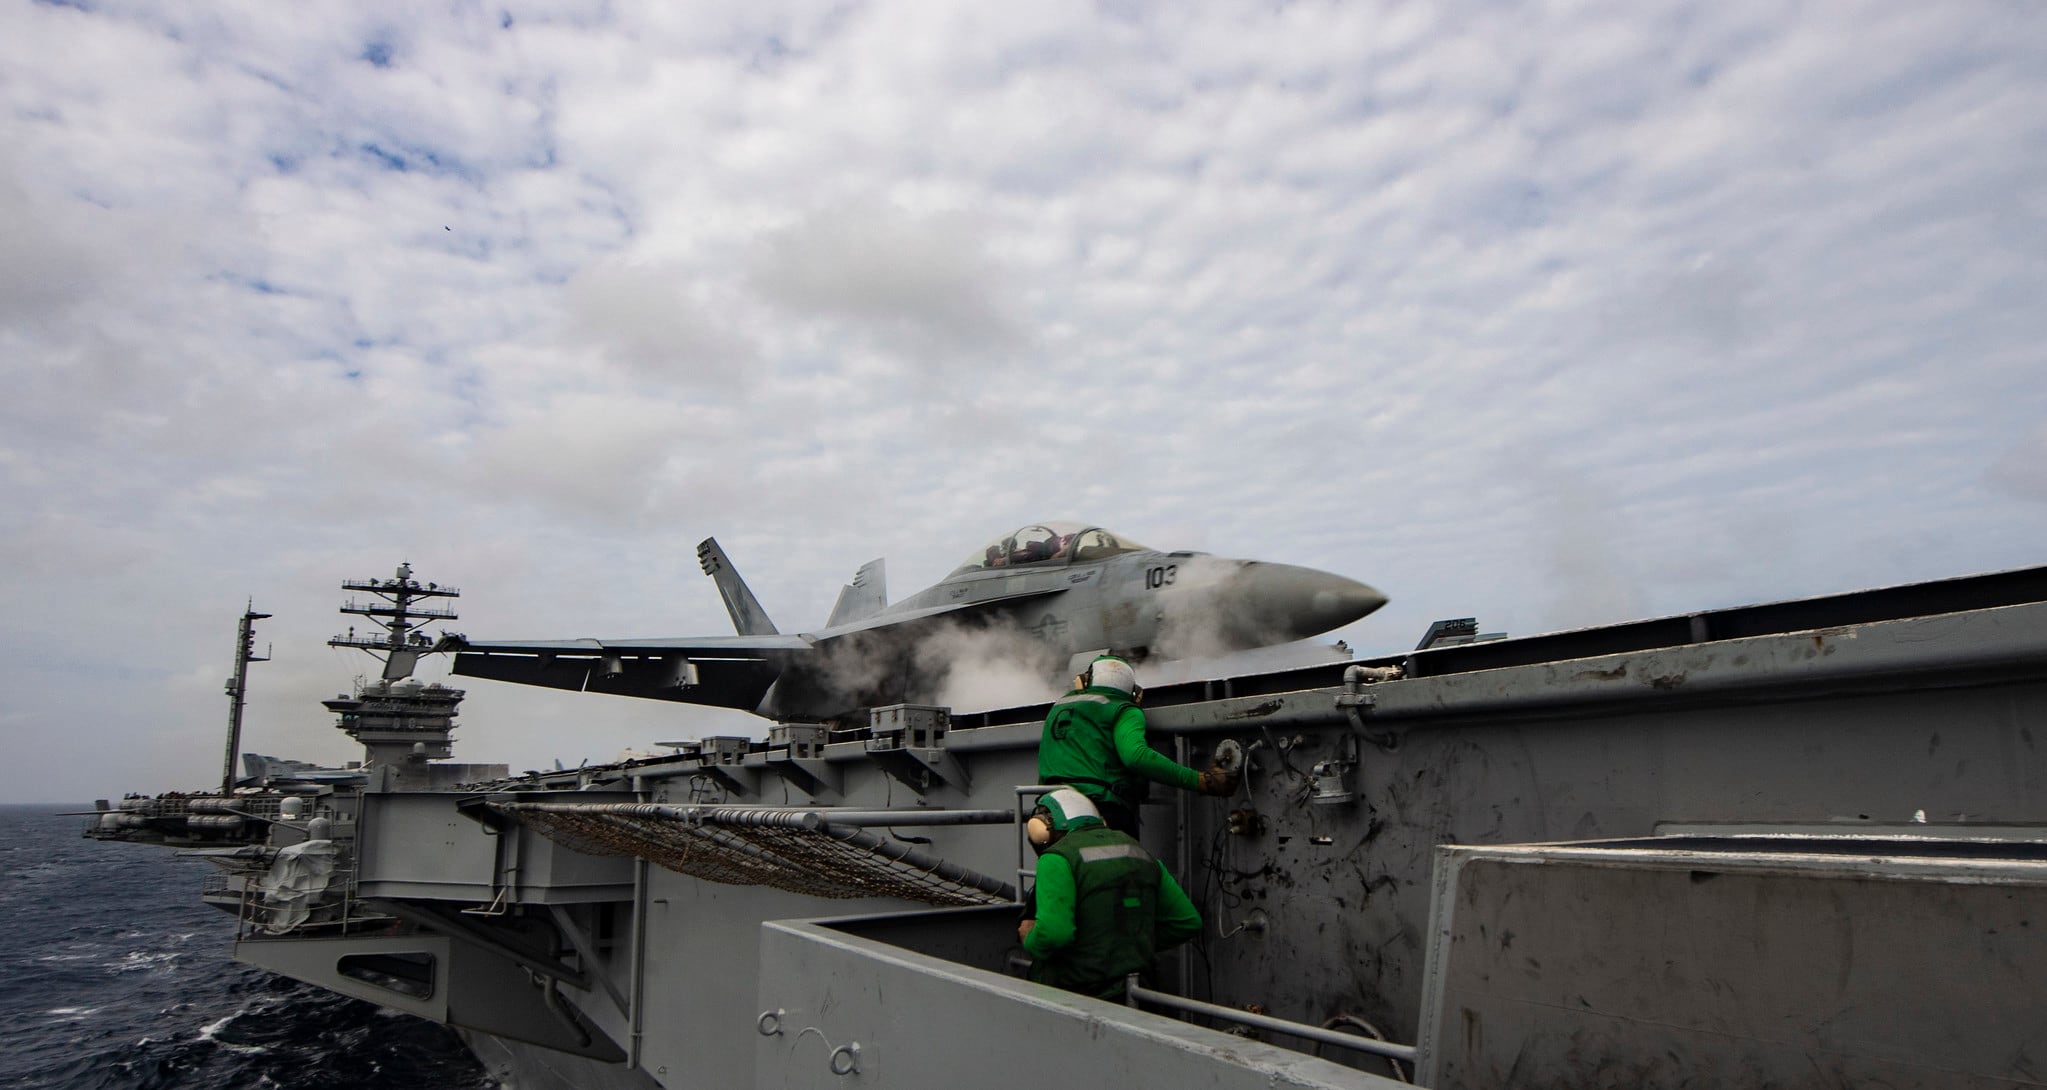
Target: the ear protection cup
(1039, 830)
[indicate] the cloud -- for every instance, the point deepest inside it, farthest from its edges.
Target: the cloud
(1550, 317)
(925, 284)
(646, 319)
(602, 457)
(55, 255)
(2022, 469)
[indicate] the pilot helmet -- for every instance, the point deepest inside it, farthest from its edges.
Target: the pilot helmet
(1058, 813)
(1112, 673)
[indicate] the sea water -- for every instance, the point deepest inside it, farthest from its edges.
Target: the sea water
(114, 975)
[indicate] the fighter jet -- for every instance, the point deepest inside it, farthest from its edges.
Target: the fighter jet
(1054, 593)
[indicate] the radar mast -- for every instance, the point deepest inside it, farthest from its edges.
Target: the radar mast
(238, 690)
(398, 720)
(397, 611)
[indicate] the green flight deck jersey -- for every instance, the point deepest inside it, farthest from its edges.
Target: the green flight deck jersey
(1105, 910)
(1094, 741)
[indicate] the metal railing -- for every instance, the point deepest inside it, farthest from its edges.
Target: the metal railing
(1025, 872)
(338, 907)
(1136, 994)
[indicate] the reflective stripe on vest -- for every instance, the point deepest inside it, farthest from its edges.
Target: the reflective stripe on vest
(1115, 911)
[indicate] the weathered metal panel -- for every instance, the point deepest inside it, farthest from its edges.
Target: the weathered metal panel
(1341, 893)
(416, 845)
(544, 872)
(839, 1010)
(466, 986)
(703, 943)
(496, 996)
(1863, 964)
(316, 961)
(1910, 653)
(531, 1067)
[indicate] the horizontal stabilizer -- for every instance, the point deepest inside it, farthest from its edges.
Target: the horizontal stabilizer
(864, 597)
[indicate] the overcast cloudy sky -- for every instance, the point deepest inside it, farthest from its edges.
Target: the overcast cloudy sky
(1554, 314)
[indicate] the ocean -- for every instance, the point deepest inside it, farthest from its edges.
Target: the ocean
(114, 976)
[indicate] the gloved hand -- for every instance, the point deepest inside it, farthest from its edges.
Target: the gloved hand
(1220, 782)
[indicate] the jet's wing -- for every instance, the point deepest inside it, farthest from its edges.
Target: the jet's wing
(718, 671)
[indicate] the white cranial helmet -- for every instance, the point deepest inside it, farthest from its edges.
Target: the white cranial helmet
(1068, 806)
(1113, 673)
(1059, 812)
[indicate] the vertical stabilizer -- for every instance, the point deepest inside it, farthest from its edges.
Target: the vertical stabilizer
(747, 615)
(864, 597)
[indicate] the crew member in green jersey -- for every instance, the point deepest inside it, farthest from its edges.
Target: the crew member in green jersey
(1105, 906)
(1094, 742)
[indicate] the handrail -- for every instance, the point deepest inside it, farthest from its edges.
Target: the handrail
(1023, 869)
(788, 816)
(1137, 992)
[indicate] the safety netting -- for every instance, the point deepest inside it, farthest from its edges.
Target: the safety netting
(800, 851)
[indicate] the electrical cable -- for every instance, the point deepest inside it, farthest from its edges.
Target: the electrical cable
(1370, 1030)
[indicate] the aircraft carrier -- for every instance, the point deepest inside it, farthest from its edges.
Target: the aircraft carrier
(1798, 844)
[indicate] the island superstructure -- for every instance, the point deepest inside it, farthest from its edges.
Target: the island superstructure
(402, 723)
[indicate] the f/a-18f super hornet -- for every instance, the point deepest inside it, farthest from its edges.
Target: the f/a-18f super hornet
(1053, 593)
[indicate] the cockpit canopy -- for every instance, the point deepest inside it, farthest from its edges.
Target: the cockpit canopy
(1047, 542)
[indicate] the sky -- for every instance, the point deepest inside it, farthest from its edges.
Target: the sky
(1548, 314)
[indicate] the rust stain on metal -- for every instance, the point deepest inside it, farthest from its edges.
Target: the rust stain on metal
(1259, 711)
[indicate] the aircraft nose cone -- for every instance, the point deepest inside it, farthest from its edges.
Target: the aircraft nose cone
(1295, 603)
